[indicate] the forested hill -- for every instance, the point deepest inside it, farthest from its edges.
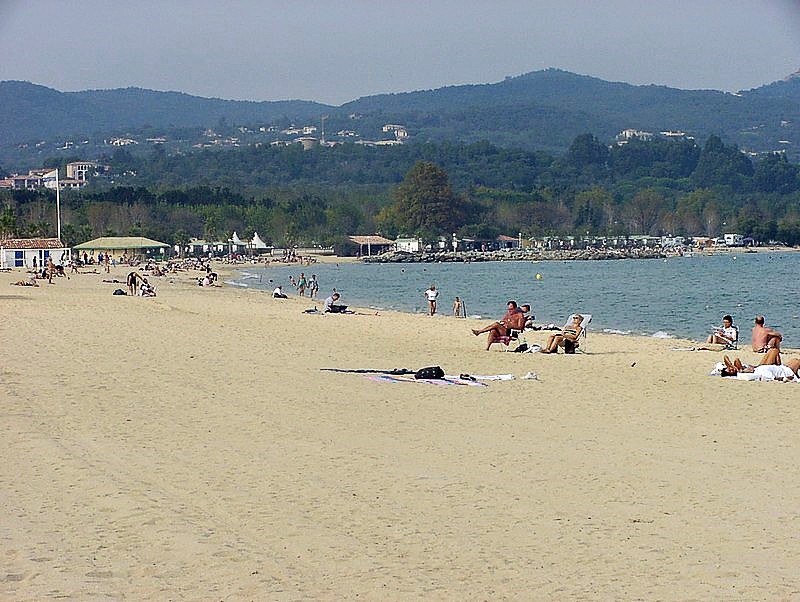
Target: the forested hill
(30, 112)
(542, 110)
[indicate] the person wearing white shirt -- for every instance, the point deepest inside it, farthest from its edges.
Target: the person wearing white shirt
(431, 295)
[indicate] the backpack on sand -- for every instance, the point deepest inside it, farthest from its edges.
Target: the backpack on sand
(429, 372)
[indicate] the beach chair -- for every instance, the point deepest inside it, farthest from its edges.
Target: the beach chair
(515, 335)
(734, 344)
(579, 345)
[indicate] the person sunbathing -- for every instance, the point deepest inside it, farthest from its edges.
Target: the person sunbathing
(515, 323)
(765, 338)
(513, 319)
(770, 367)
(566, 338)
(31, 282)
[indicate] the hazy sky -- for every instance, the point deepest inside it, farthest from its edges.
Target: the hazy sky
(337, 50)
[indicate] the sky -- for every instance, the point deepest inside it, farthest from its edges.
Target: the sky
(337, 50)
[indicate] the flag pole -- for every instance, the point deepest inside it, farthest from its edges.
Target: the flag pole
(58, 205)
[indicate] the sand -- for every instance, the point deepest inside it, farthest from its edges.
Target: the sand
(189, 447)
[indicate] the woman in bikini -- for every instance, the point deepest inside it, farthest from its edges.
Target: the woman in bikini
(569, 333)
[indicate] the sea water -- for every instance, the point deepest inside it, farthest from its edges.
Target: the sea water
(677, 297)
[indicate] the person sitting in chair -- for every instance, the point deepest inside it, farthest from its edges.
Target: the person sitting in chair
(727, 335)
(567, 338)
(498, 331)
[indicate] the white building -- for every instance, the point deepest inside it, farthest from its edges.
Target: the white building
(626, 136)
(80, 170)
(21, 252)
(409, 245)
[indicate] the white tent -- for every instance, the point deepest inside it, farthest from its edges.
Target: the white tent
(257, 243)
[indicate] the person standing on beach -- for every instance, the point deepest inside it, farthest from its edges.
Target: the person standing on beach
(313, 286)
(457, 308)
(431, 295)
(301, 285)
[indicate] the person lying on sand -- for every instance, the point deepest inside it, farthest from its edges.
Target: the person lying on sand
(770, 367)
(569, 333)
(31, 282)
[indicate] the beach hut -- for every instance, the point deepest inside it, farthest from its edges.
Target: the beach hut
(21, 252)
(371, 245)
(128, 245)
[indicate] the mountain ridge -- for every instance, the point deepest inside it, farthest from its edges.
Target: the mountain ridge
(541, 110)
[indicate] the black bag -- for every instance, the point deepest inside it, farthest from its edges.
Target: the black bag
(119, 291)
(521, 348)
(429, 372)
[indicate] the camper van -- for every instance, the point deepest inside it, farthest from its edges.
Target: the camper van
(734, 240)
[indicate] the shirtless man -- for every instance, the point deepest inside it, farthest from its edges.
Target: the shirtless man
(513, 319)
(765, 338)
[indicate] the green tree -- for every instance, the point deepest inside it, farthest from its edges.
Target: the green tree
(8, 222)
(425, 204)
(587, 150)
(182, 239)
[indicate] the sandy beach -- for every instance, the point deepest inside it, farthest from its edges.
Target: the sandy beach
(188, 447)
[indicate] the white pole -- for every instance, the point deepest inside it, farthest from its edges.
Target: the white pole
(58, 205)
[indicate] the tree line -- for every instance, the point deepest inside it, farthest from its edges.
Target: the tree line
(290, 196)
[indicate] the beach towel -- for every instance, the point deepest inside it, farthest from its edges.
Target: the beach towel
(447, 380)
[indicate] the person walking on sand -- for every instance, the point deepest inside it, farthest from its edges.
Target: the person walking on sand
(431, 295)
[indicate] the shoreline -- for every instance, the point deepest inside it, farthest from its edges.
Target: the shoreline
(544, 255)
(372, 306)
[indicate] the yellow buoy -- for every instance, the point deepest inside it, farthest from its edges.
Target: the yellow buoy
(538, 276)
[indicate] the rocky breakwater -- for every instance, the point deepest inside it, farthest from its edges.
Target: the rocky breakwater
(515, 255)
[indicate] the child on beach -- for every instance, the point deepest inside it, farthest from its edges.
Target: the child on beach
(457, 308)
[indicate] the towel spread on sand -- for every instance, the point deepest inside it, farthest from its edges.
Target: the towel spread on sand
(449, 380)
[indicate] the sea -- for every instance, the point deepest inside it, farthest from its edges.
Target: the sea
(681, 297)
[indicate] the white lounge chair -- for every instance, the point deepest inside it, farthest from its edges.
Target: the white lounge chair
(587, 319)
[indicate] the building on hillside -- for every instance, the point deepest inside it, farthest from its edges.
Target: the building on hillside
(80, 170)
(308, 142)
(28, 182)
(629, 134)
(132, 246)
(21, 252)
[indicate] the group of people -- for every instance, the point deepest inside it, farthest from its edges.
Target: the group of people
(503, 329)
(432, 297)
(762, 339)
(302, 285)
(139, 285)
